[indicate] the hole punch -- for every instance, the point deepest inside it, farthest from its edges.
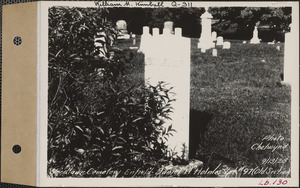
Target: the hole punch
(17, 40)
(16, 149)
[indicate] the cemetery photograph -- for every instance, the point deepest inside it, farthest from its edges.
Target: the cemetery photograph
(169, 92)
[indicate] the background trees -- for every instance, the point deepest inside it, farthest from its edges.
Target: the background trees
(233, 22)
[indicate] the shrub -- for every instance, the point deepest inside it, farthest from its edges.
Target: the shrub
(93, 122)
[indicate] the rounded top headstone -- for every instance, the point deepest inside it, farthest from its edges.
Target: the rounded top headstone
(169, 25)
(121, 25)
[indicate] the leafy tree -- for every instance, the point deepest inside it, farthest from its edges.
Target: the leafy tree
(159, 16)
(247, 17)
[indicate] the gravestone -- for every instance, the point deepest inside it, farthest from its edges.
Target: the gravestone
(169, 61)
(178, 32)
(169, 25)
(214, 36)
(220, 41)
(255, 39)
(121, 26)
(205, 40)
(226, 45)
(166, 31)
(155, 31)
(133, 36)
(214, 52)
(145, 40)
(273, 42)
(278, 48)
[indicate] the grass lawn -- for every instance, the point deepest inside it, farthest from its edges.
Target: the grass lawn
(236, 100)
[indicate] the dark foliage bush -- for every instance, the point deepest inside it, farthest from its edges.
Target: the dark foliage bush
(93, 122)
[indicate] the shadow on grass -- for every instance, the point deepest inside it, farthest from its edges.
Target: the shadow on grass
(198, 126)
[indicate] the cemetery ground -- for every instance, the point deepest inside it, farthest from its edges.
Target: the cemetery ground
(237, 102)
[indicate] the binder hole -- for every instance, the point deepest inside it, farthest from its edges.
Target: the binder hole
(17, 40)
(16, 149)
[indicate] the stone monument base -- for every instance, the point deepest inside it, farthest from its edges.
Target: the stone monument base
(255, 41)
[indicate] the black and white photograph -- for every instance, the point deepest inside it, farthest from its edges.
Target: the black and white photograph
(171, 90)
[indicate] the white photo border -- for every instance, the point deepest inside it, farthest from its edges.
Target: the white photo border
(44, 181)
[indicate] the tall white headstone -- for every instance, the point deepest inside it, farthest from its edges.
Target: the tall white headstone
(145, 40)
(169, 62)
(255, 39)
(205, 40)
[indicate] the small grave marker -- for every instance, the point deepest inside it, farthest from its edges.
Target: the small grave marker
(220, 41)
(215, 52)
(155, 31)
(122, 28)
(169, 25)
(133, 36)
(278, 48)
(214, 36)
(226, 45)
(178, 31)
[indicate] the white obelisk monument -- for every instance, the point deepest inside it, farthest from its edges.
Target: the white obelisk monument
(205, 41)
